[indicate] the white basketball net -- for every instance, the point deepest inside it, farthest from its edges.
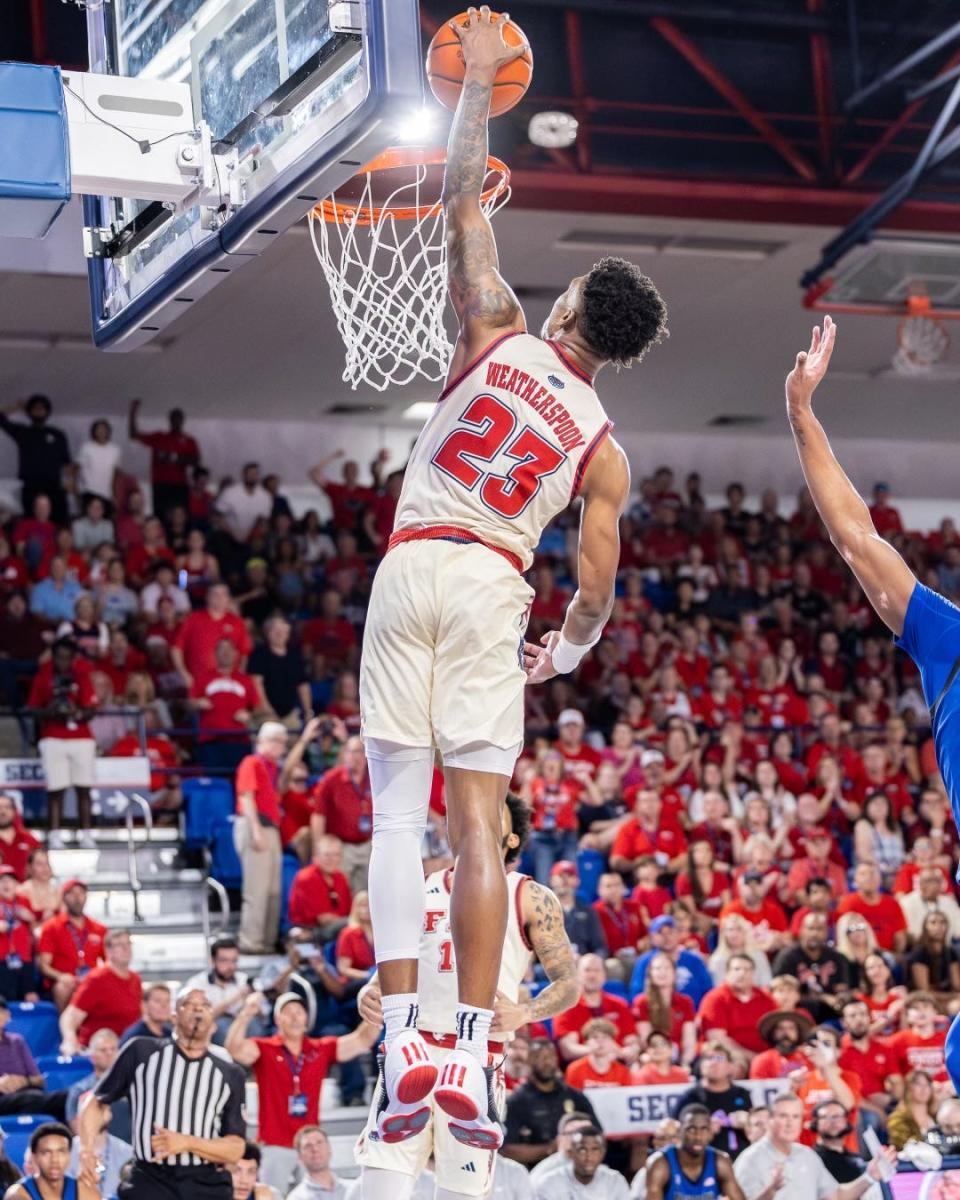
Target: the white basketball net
(388, 283)
(923, 343)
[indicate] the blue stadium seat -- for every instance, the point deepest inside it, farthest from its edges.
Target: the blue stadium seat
(16, 1134)
(224, 860)
(207, 803)
(289, 866)
(38, 1024)
(62, 1071)
(590, 866)
(613, 987)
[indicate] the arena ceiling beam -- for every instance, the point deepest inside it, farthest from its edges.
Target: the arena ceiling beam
(716, 200)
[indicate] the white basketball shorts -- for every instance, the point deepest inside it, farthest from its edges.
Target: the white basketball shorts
(443, 648)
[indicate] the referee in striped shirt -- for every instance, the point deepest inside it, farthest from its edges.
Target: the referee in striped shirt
(187, 1119)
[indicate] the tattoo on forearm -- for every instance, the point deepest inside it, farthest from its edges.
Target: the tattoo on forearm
(799, 435)
(475, 285)
(467, 153)
(552, 947)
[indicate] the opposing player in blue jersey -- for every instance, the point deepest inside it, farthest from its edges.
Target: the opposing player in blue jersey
(924, 623)
(693, 1170)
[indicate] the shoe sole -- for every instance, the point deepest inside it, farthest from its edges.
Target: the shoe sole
(416, 1084)
(401, 1126)
(456, 1104)
(489, 1138)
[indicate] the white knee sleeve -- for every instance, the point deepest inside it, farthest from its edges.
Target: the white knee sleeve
(378, 1184)
(400, 780)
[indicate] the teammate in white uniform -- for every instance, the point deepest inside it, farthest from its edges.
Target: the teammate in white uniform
(516, 435)
(391, 1164)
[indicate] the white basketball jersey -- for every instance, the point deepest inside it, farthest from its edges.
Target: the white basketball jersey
(437, 977)
(506, 447)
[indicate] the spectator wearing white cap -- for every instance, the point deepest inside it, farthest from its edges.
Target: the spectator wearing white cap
(580, 758)
(289, 1068)
(258, 788)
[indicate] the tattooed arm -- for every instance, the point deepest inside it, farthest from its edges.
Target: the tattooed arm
(543, 922)
(882, 573)
(484, 303)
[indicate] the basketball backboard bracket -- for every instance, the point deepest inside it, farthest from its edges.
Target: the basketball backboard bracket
(285, 100)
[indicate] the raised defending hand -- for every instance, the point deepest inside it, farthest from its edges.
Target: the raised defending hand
(811, 366)
(481, 39)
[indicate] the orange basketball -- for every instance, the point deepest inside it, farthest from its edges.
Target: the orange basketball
(446, 68)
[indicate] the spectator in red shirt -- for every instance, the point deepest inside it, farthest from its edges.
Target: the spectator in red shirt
(817, 865)
(620, 921)
(735, 1008)
(226, 700)
(343, 806)
(599, 1067)
(17, 972)
(16, 842)
(718, 704)
(289, 1069)
(349, 499)
(580, 758)
(919, 1046)
(258, 839)
(763, 912)
(320, 896)
(69, 945)
(330, 634)
(882, 913)
(111, 997)
(63, 693)
(705, 883)
(647, 833)
(141, 560)
(380, 515)
(194, 650)
(172, 454)
(355, 953)
(594, 1002)
(658, 1068)
(662, 1008)
(553, 800)
(869, 1058)
(784, 1033)
(885, 517)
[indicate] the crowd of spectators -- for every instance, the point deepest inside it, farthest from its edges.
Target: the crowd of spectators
(735, 797)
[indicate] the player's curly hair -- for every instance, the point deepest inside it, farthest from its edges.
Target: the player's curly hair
(623, 313)
(520, 816)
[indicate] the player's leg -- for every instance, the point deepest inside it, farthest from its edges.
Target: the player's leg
(395, 691)
(478, 723)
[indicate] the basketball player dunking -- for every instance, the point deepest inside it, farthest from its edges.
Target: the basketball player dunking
(517, 433)
(534, 926)
(925, 624)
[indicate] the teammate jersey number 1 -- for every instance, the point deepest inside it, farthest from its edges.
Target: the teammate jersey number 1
(491, 427)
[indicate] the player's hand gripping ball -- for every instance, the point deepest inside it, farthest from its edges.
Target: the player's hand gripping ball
(482, 39)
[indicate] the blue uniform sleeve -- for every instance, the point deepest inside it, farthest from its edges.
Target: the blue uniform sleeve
(931, 636)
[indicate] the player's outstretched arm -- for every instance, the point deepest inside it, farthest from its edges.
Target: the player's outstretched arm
(606, 489)
(883, 575)
(543, 921)
(485, 305)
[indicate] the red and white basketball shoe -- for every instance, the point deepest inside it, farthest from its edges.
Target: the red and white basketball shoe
(465, 1093)
(407, 1077)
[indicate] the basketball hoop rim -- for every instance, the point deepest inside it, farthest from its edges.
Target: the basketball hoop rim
(337, 212)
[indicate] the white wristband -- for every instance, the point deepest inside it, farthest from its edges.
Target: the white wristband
(566, 655)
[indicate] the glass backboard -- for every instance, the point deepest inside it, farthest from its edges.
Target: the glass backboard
(304, 91)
